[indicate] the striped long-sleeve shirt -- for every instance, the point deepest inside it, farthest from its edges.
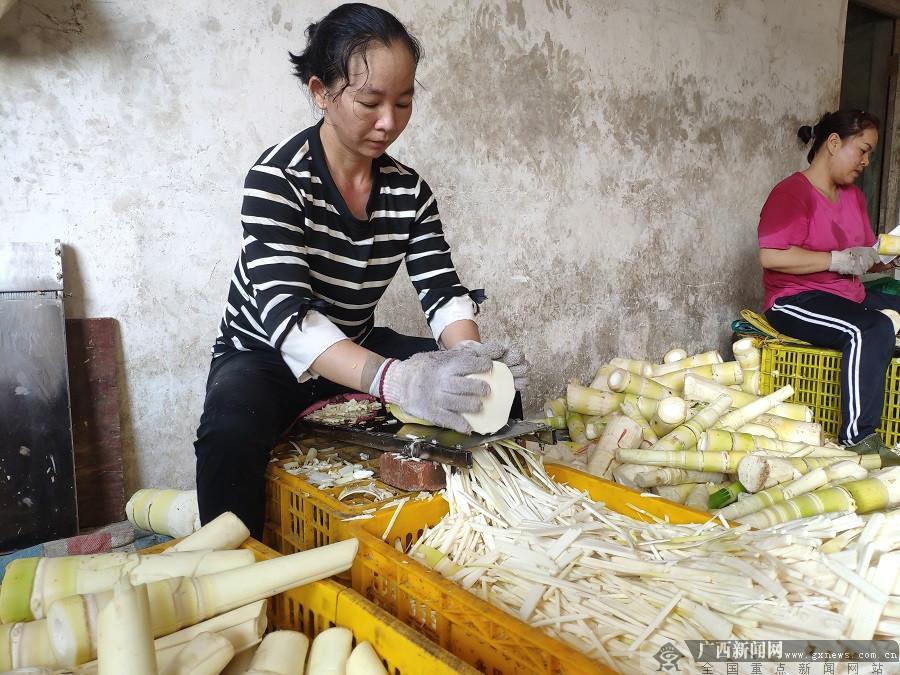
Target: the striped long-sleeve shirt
(303, 250)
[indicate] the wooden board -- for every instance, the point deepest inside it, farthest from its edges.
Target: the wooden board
(96, 431)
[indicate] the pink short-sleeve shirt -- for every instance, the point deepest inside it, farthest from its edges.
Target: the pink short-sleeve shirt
(796, 214)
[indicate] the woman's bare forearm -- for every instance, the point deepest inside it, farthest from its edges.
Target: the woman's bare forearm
(794, 260)
(457, 331)
(349, 364)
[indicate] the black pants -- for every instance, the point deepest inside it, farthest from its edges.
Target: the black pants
(251, 399)
(865, 338)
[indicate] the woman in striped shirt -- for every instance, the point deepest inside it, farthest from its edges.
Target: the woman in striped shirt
(328, 217)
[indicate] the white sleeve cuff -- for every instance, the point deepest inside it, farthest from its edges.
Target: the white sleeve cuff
(460, 307)
(305, 343)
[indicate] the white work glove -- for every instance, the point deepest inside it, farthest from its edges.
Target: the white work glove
(856, 261)
(512, 357)
(434, 386)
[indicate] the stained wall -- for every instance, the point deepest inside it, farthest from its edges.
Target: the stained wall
(600, 167)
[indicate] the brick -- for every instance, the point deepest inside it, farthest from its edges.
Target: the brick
(412, 475)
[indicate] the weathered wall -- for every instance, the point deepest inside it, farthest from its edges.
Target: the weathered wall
(600, 167)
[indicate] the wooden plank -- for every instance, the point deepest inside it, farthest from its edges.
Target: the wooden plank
(96, 431)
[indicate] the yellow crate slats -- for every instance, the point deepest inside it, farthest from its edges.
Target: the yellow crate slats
(300, 516)
(814, 373)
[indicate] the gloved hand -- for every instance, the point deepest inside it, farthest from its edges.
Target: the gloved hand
(512, 357)
(434, 386)
(855, 261)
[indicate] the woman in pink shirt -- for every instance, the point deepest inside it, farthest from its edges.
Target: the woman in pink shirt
(815, 241)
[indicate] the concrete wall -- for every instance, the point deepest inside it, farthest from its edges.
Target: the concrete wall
(600, 168)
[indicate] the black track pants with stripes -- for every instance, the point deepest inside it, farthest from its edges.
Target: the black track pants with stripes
(865, 338)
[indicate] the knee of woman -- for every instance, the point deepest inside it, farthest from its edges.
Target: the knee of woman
(881, 334)
(233, 441)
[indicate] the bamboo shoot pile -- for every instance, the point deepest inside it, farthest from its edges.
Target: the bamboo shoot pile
(695, 430)
(617, 588)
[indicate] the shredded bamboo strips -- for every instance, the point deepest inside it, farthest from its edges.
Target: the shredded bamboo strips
(616, 588)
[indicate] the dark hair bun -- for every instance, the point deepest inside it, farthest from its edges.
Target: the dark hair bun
(805, 133)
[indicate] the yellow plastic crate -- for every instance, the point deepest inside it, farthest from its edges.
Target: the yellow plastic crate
(315, 607)
(300, 516)
(479, 633)
(814, 373)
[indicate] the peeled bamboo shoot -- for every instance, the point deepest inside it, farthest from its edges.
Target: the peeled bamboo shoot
(365, 661)
(206, 654)
(676, 354)
(623, 381)
(685, 436)
(175, 603)
(282, 652)
(758, 473)
(329, 652)
(723, 373)
(636, 366)
(808, 482)
(748, 413)
(124, 635)
(698, 388)
(171, 512)
(746, 353)
(704, 359)
(587, 401)
(224, 532)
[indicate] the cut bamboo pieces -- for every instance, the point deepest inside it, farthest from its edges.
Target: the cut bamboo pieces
(25, 644)
(620, 432)
(365, 661)
(282, 652)
(719, 440)
(808, 482)
(175, 603)
(329, 652)
(746, 353)
(636, 366)
(723, 373)
(657, 476)
(205, 654)
(55, 578)
(792, 431)
(124, 636)
(880, 490)
(677, 354)
(670, 366)
(224, 532)
(171, 512)
(727, 462)
(685, 435)
(631, 409)
(702, 389)
(758, 473)
(587, 401)
(601, 378)
(626, 382)
(669, 413)
(746, 414)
